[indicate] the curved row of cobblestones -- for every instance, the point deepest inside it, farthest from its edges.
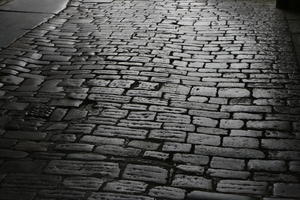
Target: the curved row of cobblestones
(156, 99)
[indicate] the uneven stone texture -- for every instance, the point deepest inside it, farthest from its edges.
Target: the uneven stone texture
(157, 99)
(194, 195)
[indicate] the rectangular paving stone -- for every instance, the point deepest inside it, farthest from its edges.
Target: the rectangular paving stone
(66, 102)
(227, 163)
(139, 124)
(228, 174)
(205, 121)
(22, 166)
(106, 90)
(80, 128)
(190, 159)
(123, 132)
(74, 147)
(151, 101)
(86, 156)
(231, 124)
(169, 135)
(25, 135)
(126, 186)
(97, 120)
(121, 83)
(68, 167)
(271, 93)
(287, 190)
(273, 125)
(228, 152)
(6, 143)
(6, 153)
(179, 127)
(274, 177)
(242, 187)
(58, 114)
(173, 118)
(102, 140)
(33, 181)
(175, 89)
(187, 181)
(62, 194)
(210, 114)
(284, 154)
(193, 169)
(74, 114)
(233, 92)
(241, 142)
(144, 145)
(117, 150)
(135, 107)
(109, 98)
(247, 116)
(16, 106)
(204, 91)
(56, 58)
(114, 113)
(12, 194)
(267, 165)
(194, 105)
(294, 166)
(197, 195)
(167, 192)
(212, 131)
(176, 147)
(246, 108)
(146, 173)
(83, 183)
(136, 115)
(281, 144)
(144, 93)
(197, 138)
(116, 196)
(11, 79)
(246, 133)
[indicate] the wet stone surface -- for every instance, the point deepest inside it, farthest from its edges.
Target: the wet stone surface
(144, 100)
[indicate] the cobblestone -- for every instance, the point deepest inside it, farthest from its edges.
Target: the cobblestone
(126, 186)
(222, 173)
(144, 100)
(237, 186)
(167, 192)
(82, 168)
(227, 163)
(267, 165)
(286, 190)
(83, 183)
(146, 173)
(187, 181)
(216, 196)
(116, 196)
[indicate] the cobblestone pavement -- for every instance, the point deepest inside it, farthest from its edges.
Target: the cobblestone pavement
(152, 99)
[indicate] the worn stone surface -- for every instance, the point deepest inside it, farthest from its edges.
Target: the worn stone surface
(239, 187)
(286, 190)
(215, 196)
(146, 173)
(126, 186)
(69, 167)
(125, 100)
(187, 181)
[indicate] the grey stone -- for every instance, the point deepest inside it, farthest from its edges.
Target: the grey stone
(195, 195)
(146, 173)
